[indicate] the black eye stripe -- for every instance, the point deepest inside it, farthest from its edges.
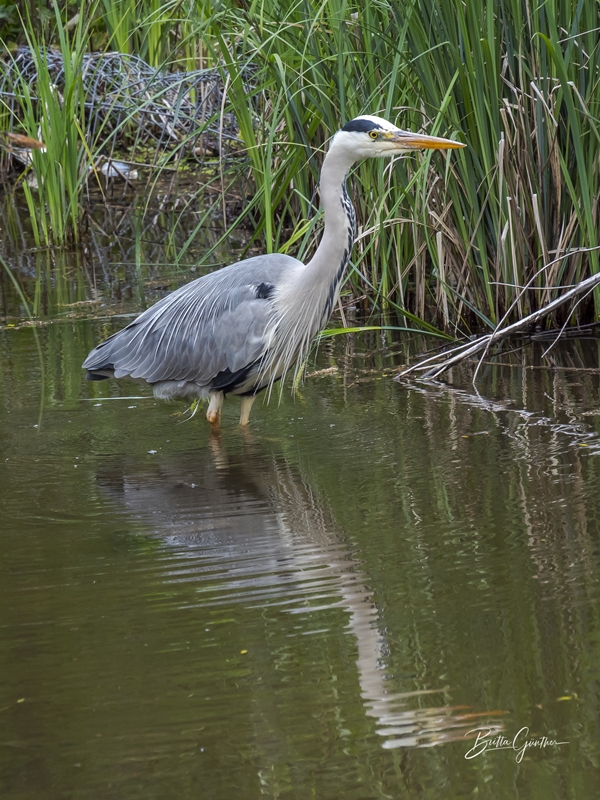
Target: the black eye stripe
(361, 126)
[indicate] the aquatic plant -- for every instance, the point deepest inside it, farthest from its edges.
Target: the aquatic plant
(444, 243)
(55, 116)
(523, 80)
(517, 80)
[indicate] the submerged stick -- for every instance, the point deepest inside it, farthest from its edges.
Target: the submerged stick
(434, 366)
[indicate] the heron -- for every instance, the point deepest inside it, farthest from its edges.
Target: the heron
(240, 329)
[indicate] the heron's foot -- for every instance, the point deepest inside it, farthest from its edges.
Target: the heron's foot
(213, 415)
(245, 409)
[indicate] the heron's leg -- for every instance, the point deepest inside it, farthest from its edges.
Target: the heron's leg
(245, 409)
(218, 452)
(213, 414)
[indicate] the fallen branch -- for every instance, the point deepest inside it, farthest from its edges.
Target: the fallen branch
(434, 366)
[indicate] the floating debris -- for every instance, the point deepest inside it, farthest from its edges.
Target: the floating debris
(118, 169)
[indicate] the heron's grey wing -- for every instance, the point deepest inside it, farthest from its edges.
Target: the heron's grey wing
(216, 323)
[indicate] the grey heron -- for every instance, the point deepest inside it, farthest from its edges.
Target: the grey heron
(241, 328)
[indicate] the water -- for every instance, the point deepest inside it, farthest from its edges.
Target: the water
(325, 605)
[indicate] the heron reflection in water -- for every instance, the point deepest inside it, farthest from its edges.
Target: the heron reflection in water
(249, 531)
(240, 329)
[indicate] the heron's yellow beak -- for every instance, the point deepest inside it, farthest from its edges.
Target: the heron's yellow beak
(405, 140)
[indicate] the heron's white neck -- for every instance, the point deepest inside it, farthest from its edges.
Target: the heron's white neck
(308, 297)
(333, 252)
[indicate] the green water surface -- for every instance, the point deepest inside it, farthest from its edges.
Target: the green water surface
(327, 605)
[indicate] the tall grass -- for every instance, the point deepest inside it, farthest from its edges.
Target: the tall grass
(161, 32)
(525, 93)
(452, 241)
(445, 240)
(57, 117)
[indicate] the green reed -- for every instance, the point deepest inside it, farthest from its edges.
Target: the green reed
(451, 239)
(56, 117)
(525, 95)
(316, 68)
(444, 240)
(162, 33)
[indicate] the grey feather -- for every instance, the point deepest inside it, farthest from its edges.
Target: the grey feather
(210, 325)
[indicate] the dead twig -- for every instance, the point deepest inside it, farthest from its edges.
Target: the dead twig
(434, 366)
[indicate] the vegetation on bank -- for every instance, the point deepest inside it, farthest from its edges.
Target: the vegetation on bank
(447, 241)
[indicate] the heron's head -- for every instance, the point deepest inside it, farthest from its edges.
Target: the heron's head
(372, 137)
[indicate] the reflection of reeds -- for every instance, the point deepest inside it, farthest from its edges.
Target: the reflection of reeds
(445, 242)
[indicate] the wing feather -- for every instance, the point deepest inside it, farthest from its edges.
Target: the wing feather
(212, 324)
